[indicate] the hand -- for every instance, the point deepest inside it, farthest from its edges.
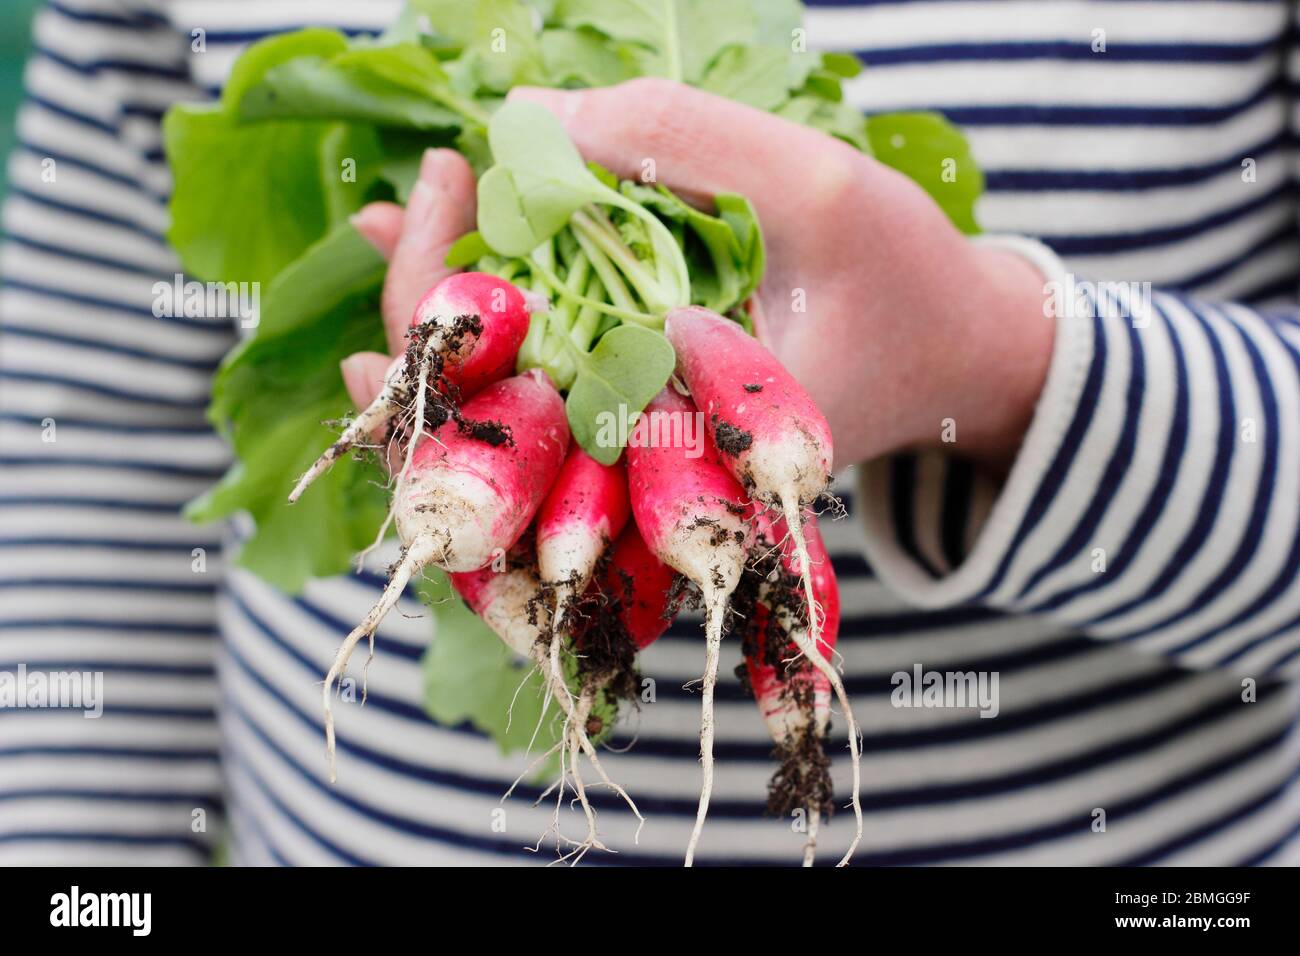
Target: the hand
(907, 323)
(415, 241)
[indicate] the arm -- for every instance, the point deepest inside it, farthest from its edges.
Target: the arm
(1155, 498)
(1013, 445)
(103, 439)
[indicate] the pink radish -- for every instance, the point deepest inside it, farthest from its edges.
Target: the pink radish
(475, 488)
(639, 586)
(584, 512)
(774, 440)
(688, 509)
(466, 332)
(625, 610)
(483, 319)
(510, 602)
(470, 493)
(793, 695)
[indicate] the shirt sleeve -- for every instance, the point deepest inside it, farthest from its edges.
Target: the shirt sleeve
(108, 737)
(1155, 499)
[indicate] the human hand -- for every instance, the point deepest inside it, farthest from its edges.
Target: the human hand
(414, 240)
(890, 317)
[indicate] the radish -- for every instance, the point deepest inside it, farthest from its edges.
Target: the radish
(476, 486)
(639, 588)
(689, 510)
(466, 330)
(626, 609)
(775, 441)
(793, 695)
(469, 494)
(510, 602)
(507, 601)
(584, 512)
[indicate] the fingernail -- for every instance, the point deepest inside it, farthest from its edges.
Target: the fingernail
(361, 221)
(431, 165)
(352, 367)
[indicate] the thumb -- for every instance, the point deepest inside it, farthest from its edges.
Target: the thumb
(439, 211)
(699, 144)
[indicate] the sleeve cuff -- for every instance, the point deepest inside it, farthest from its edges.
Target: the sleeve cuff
(890, 548)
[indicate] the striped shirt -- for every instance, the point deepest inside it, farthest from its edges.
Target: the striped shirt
(1134, 582)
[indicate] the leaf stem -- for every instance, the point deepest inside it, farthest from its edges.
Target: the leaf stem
(671, 44)
(628, 315)
(602, 233)
(584, 329)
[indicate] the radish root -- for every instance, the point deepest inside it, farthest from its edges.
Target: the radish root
(715, 605)
(384, 407)
(421, 551)
(562, 598)
(808, 647)
(417, 432)
(573, 741)
(810, 847)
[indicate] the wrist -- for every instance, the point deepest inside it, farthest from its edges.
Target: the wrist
(1004, 338)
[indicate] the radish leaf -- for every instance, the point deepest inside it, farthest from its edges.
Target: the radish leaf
(616, 380)
(270, 397)
(934, 153)
(677, 39)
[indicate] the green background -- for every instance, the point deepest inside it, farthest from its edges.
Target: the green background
(15, 37)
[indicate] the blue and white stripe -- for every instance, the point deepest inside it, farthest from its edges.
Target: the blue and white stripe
(1120, 690)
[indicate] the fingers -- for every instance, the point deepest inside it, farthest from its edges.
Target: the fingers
(699, 144)
(363, 374)
(380, 224)
(440, 210)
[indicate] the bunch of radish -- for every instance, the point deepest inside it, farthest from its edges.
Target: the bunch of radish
(538, 538)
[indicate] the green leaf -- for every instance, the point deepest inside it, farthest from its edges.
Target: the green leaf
(845, 65)
(755, 75)
(538, 183)
(271, 396)
(246, 201)
(467, 250)
(583, 58)
(260, 58)
(776, 21)
(934, 153)
(399, 86)
(616, 380)
(518, 212)
(739, 213)
(498, 39)
(526, 137)
(678, 39)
